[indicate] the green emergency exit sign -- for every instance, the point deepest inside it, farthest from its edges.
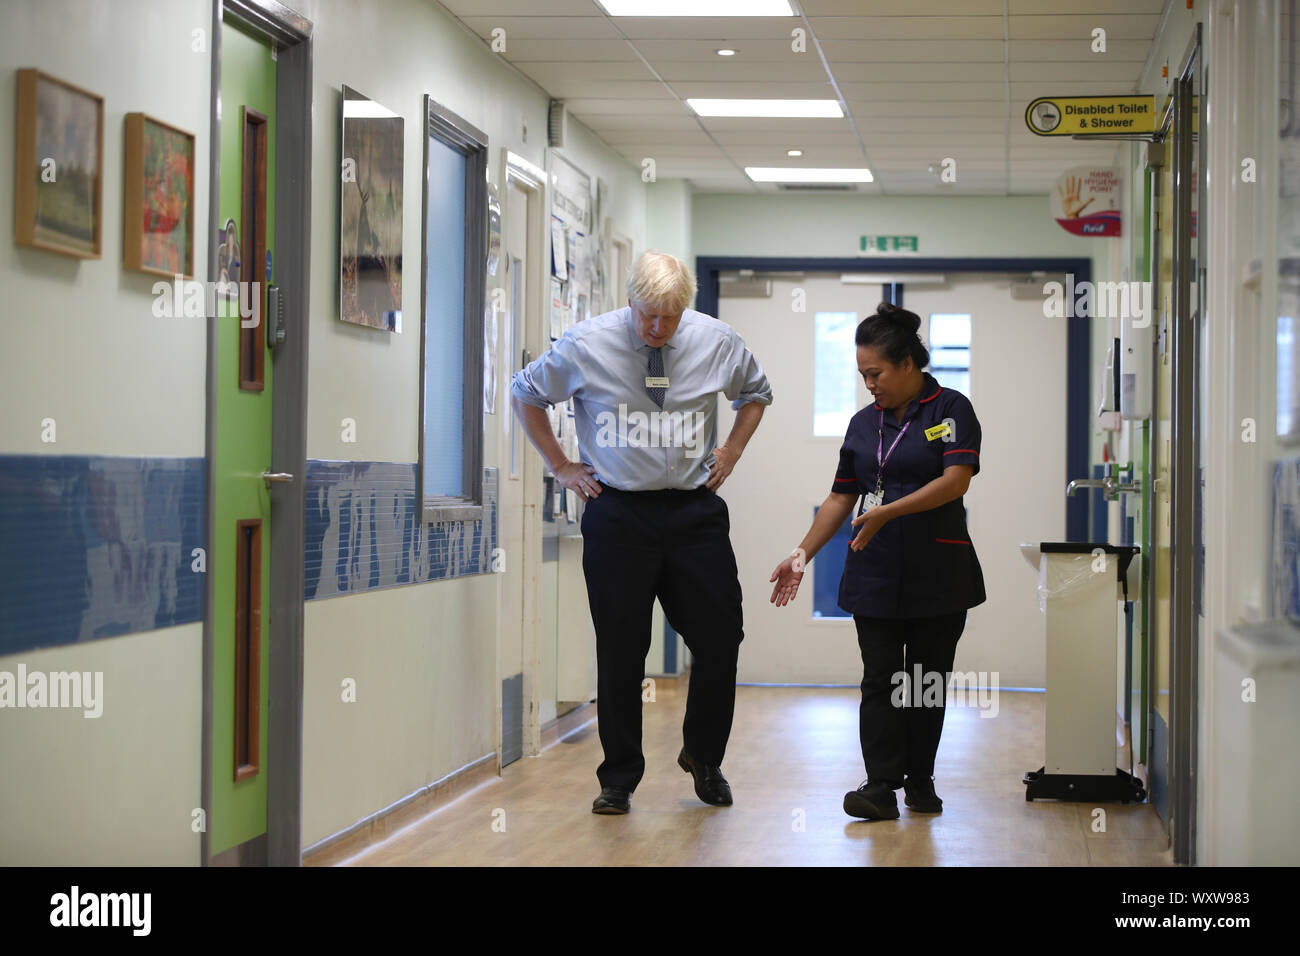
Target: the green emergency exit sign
(879, 244)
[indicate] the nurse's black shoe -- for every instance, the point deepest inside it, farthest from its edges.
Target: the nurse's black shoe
(612, 800)
(920, 795)
(872, 801)
(710, 785)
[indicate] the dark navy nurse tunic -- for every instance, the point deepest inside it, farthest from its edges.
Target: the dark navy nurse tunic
(922, 564)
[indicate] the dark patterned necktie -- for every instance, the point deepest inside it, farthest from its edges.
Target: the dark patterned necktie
(656, 370)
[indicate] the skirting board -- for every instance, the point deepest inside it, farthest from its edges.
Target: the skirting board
(556, 730)
(384, 823)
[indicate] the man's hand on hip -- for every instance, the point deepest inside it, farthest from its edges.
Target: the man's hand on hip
(723, 461)
(577, 477)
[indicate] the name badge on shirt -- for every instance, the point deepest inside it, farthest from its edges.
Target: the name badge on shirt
(656, 381)
(938, 431)
(870, 500)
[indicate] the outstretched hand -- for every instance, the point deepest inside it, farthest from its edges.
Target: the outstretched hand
(787, 576)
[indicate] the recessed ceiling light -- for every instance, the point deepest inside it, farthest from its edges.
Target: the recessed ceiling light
(790, 174)
(697, 8)
(794, 152)
(779, 108)
(725, 52)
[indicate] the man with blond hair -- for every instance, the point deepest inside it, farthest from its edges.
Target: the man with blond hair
(644, 381)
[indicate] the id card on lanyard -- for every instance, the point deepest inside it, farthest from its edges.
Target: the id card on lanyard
(876, 498)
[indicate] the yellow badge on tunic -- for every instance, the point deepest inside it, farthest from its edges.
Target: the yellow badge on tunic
(938, 431)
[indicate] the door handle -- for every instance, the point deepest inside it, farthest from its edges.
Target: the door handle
(276, 476)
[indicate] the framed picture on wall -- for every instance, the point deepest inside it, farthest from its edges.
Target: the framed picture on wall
(370, 230)
(58, 166)
(158, 198)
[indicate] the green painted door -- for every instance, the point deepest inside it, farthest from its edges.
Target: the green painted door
(241, 549)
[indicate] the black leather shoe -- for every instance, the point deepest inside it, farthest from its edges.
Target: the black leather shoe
(920, 795)
(612, 800)
(710, 785)
(872, 801)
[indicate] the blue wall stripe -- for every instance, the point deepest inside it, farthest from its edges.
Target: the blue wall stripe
(96, 546)
(363, 531)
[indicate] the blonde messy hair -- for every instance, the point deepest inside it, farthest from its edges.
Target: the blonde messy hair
(663, 282)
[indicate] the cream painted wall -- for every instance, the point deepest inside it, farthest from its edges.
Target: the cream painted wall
(115, 790)
(818, 225)
(81, 343)
(83, 347)
(668, 215)
(422, 657)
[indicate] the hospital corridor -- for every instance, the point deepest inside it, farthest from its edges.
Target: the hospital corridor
(805, 435)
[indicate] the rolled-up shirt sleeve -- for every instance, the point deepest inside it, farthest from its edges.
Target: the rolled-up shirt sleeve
(551, 378)
(748, 381)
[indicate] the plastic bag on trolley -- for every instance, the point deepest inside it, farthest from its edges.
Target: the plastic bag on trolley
(1069, 574)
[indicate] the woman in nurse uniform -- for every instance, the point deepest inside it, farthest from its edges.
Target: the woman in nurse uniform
(911, 572)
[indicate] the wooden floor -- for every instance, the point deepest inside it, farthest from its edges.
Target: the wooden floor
(793, 754)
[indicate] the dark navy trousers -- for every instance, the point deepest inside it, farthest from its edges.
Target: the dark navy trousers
(902, 741)
(674, 545)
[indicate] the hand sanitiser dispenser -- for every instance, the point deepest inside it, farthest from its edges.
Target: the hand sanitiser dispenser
(1136, 337)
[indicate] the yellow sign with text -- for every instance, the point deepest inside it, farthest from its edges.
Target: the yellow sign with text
(1091, 115)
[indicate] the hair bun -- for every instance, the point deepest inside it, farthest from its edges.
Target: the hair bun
(896, 315)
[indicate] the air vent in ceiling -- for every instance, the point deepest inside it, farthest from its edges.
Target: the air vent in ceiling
(817, 187)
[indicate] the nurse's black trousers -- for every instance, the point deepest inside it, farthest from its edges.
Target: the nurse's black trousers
(900, 741)
(674, 545)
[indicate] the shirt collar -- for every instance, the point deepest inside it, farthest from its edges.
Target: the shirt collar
(638, 344)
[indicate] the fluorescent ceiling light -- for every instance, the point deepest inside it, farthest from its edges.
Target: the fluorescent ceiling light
(697, 8)
(792, 174)
(801, 108)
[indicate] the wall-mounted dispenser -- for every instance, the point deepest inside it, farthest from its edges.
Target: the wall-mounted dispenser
(1136, 338)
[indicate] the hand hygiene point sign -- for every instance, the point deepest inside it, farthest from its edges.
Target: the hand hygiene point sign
(1085, 201)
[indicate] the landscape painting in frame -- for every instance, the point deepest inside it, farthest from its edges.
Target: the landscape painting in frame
(370, 239)
(58, 166)
(158, 218)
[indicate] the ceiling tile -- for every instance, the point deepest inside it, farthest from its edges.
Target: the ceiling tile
(517, 8)
(576, 52)
(900, 8)
(908, 28)
(707, 28)
(1066, 27)
(543, 28)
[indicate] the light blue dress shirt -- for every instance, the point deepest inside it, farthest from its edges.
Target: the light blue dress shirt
(631, 443)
